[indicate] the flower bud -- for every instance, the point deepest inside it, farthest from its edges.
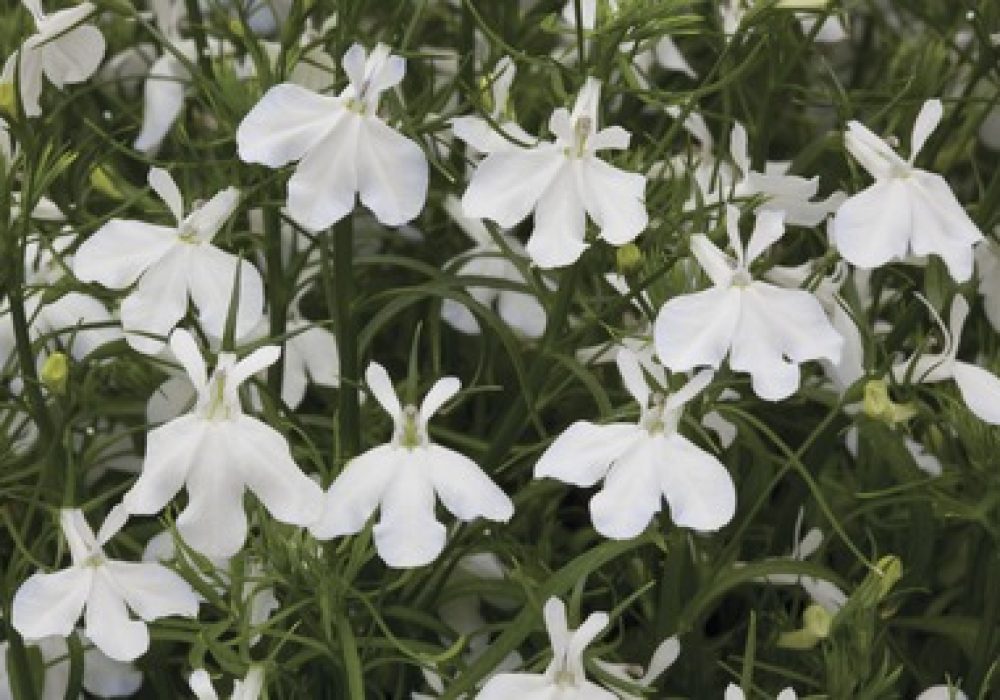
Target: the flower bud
(879, 406)
(816, 623)
(55, 371)
(628, 258)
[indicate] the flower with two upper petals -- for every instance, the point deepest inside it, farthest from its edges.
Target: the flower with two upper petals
(907, 211)
(765, 330)
(344, 149)
(63, 50)
(104, 590)
(169, 264)
(404, 478)
(643, 463)
(979, 388)
(565, 677)
(562, 182)
(218, 452)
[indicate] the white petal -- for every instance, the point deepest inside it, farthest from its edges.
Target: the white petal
(163, 100)
(734, 692)
(556, 625)
(120, 251)
(507, 184)
(207, 219)
(980, 391)
(211, 276)
(614, 199)
(584, 452)
(324, 187)
(29, 60)
(631, 494)
(787, 694)
(392, 173)
(872, 152)
(439, 394)
(65, 317)
(758, 351)
(74, 56)
(738, 148)
(356, 493)
(152, 590)
(171, 450)
(108, 624)
(663, 658)
(201, 685)
(522, 312)
(560, 224)
(768, 229)
(214, 522)
(796, 322)
(185, 350)
(166, 189)
(288, 122)
(380, 386)
(311, 354)
(941, 225)
(697, 329)
(172, 398)
(157, 303)
(50, 604)
(270, 472)
(927, 121)
(714, 262)
(671, 58)
(257, 361)
(632, 376)
(105, 677)
(464, 489)
(580, 639)
(524, 686)
(407, 534)
(697, 486)
(694, 386)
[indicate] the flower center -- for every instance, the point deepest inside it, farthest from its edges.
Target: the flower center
(217, 407)
(411, 436)
(94, 560)
(581, 132)
(741, 279)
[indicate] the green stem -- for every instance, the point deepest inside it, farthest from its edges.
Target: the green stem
(581, 49)
(517, 416)
(352, 662)
(348, 415)
(277, 292)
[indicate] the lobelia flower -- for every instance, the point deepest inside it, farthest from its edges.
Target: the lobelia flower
(564, 678)
(907, 211)
(169, 264)
(63, 50)
(643, 463)
(249, 688)
(734, 692)
(344, 149)
(104, 590)
(519, 310)
(663, 658)
(218, 452)
(102, 677)
(403, 477)
(943, 692)
(766, 331)
(562, 182)
(979, 388)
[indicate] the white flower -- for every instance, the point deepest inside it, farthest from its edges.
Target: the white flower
(217, 452)
(562, 182)
(248, 689)
(565, 678)
(643, 463)
(766, 330)
(168, 264)
(907, 211)
(519, 310)
(63, 50)
(102, 676)
(104, 590)
(403, 477)
(822, 592)
(980, 389)
(942, 692)
(734, 692)
(663, 658)
(344, 148)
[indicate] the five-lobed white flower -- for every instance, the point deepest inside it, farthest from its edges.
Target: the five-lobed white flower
(63, 50)
(562, 182)
(565, 677)
(403, 477)
(765, 330)
(344, 149)
(218, 452)
(169, 264)
(907, 211)
(643, 463)
(979, 388)
(104, 590)
(249, 688)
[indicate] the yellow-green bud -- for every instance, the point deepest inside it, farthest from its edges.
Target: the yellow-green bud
(879, 406)
(628, 258)
(102, 182)
(8, 105)
(55, 372)
(891, 569)
(816, 623)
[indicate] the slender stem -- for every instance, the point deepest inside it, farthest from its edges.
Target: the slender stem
(581, 50)
(347, 337)
(352, 662)
(277, 292)
(519, 411)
